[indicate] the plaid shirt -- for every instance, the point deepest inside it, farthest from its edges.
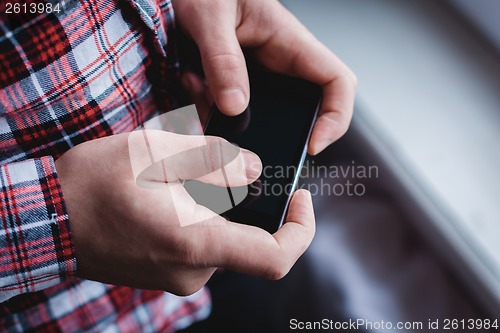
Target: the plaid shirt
(97, 68)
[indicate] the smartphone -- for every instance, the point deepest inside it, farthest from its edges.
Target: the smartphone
(276, 126)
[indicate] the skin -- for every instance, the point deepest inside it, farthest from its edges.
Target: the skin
(129, 234)
(272, 36)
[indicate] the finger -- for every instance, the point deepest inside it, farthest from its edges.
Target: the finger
(222, 58)
(335, 113)
(160, 157)
(293, 50)
(338, 85)
(218, 163)
(253, 251)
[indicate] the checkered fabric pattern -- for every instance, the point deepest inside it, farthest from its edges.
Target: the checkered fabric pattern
(99, 67)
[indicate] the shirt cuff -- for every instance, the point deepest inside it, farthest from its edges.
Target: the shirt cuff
(36, 249)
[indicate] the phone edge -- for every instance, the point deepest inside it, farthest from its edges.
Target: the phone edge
(301, 164)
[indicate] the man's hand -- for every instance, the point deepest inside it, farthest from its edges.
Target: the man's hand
(125, 223)
(275, 38)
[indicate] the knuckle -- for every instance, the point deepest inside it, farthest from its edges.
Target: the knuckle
(191, 282)
(207, 159)
(218, 153)
(227, 60)
(184, 289)
(279, 272)
(277, 269)
(348, 76)
(354, 78)
(190, 289)
(211, 155)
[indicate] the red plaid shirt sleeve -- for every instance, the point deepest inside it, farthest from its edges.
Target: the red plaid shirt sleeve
(35, 244)
(97, 68)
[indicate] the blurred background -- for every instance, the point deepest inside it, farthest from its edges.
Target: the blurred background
(422, 241)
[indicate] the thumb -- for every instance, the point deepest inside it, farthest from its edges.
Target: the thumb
(222, 58)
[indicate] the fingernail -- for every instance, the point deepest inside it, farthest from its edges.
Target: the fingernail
(253, 165)
(232, 100)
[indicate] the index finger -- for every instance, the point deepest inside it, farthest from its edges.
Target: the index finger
(321, 66)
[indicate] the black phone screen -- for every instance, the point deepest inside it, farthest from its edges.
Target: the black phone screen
(276, 126)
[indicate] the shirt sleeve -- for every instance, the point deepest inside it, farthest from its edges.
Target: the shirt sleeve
(36, 250)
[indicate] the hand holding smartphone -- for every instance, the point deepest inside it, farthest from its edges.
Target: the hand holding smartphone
(276, 126)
